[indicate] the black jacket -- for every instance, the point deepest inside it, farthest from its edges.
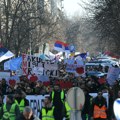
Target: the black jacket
(57, 99)
(21, 117)
(87, 105)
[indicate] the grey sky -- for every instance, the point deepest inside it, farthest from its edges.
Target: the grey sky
(72, 7)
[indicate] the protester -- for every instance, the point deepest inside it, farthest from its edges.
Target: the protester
(58, 86)
(27, 114)
(47, 111)
(9, 90)
(4, 86)
(20, 100)
(9, 110)
(58, 97)
(99, 107)
(66, 111)
(39, 89)
(86, 111)
(29, 91)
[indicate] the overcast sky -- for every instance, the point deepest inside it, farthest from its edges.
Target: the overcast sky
(72, 6)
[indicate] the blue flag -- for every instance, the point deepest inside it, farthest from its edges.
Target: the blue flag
(13, 64)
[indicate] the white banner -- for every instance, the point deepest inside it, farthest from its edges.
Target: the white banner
(35, 101)
(29, 63)
(51, 69)
(38, 70)
(32, 64)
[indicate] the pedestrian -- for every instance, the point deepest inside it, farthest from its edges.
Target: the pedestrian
(27, 114)
(66, 111)
(58, 97)
(47, 111)
(99, 107)
(9, 110)
(20, 99)
(86, 111)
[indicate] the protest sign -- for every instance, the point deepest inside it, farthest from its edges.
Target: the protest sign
(38, 70)
(35, 103)
(73, 66)
(51, 69)
(32, 64)
(113, 75)
(29, 63)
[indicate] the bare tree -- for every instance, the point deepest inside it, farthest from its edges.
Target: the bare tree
(26, 22)
(106, 17)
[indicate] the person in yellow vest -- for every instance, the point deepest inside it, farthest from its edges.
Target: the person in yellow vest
(47, 111)
(99, 107)
(20, 100)
(66, 111)
(58, 97)
(9, 110)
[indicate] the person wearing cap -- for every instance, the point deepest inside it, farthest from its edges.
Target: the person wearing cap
(48, 110)
(9, 110)
(58, 97)
(99, 107)
(20, 100)
(27, 114)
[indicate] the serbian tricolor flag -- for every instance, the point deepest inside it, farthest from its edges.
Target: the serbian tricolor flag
(61, 46)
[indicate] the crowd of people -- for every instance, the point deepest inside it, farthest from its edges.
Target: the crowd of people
(55, 106)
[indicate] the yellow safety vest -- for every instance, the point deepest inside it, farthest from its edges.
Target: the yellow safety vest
(21, 105)
(49, 115)
(68, 110)
(61, 95)
(9, 114)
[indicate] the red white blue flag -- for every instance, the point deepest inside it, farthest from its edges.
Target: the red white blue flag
(61, 46)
